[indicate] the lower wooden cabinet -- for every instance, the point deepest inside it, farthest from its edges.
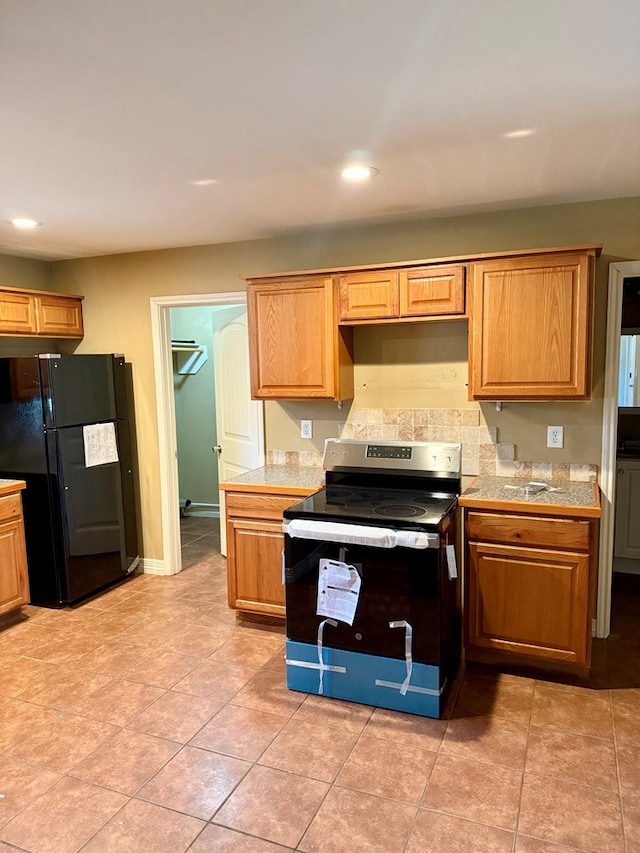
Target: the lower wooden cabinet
(254, 551)
(14, 580)
(528, 586)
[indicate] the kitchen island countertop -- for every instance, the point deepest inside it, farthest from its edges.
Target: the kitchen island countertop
(565, 497)
(278, 479)
(7, 487)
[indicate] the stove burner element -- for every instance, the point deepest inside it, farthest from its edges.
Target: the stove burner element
(399, 511)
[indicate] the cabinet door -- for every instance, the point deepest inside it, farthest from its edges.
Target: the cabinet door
(14, 582)
(59, 317)
(296, 349)
(530, 329)
(254, 560)
(529, 601)
(17, 314)
(369, 295)
(627, 530)
(430, 291)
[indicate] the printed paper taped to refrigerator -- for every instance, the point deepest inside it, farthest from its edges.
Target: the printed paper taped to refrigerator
(100, 445)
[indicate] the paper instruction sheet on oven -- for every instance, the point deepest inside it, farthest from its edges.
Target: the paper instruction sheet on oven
(338, 590)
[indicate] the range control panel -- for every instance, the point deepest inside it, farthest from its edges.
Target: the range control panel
(388, 451)
(427, 456)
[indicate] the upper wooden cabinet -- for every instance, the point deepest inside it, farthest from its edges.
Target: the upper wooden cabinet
(297, 349)
(40, 313)
(530, 332)
(402, 294)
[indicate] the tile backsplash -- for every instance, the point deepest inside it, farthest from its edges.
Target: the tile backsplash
(482, 453)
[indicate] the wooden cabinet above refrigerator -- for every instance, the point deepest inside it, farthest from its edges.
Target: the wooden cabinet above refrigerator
(40, 313)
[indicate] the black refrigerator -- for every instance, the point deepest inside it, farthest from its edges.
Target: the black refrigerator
(65, 428)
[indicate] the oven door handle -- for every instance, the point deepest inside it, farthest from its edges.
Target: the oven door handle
(358, 534)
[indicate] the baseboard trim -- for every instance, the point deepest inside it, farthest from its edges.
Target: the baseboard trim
(202, 510)
(153, 567)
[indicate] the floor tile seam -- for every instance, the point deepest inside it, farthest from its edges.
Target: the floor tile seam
(70, 774)
(480, 760)
(524, 768)
(342, 787)
(564, 730)
(468, 820)
(572, 780)
(24, 808)
(327, 782)
(620, 791)
(493, 715)
(250, 708)
(565, 779)
(444, 811)
(300, 840)
(571, 689)
(139, 679)
(575, 731)
(553, 843)
(137, 795)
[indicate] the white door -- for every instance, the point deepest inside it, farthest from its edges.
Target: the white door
(239, 419)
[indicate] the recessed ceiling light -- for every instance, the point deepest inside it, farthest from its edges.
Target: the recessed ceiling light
(357, 173)
(520, 133)
(24, 222)
(204, 182)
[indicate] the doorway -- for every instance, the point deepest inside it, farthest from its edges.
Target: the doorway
(618, 272)
(220, 354)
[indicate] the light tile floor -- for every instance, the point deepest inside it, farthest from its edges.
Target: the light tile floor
(149, 719)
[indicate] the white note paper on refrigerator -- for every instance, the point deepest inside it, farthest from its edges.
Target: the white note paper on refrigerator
(338, 590)
(100, 446)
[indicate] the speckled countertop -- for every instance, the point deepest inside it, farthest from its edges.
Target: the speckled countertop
(564, 497)
(9, 486)
(278, 479)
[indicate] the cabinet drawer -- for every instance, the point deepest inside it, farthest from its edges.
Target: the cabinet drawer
(562, 533)
(10, 507)
(426, 291)
(369, 296)
(244, 505)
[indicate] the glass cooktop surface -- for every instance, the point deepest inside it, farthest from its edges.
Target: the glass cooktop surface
(380, 507)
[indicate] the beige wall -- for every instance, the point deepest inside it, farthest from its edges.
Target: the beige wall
(389, 368)
(24, 272)
(33, 275)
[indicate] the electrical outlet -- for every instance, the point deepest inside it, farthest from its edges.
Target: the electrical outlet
(555, 436)
(306, 429)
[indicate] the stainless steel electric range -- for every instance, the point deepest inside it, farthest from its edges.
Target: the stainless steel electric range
(371, 574)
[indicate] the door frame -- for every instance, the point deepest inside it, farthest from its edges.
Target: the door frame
(617, 274)
(165, 404)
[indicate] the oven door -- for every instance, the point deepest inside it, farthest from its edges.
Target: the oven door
(398, 584)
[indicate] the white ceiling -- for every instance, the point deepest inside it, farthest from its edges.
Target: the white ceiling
(109, 109)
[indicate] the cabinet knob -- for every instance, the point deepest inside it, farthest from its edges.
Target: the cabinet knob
(620, 470)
